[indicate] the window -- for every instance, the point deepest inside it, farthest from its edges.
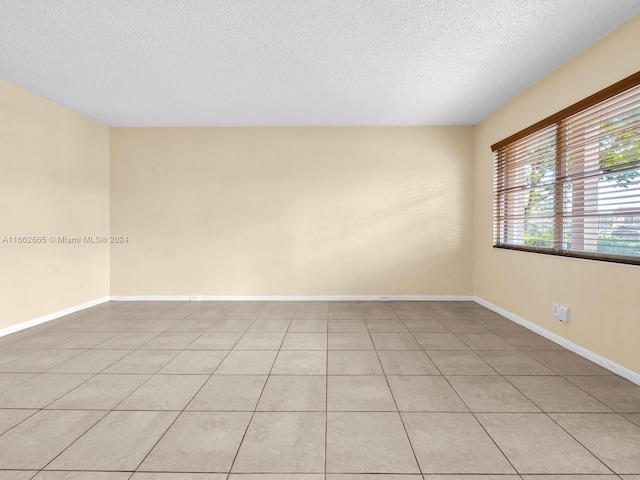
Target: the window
(570, 184)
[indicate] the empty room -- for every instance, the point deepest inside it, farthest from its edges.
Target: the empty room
(319, 240)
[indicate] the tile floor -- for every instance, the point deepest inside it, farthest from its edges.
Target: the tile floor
(307, 391)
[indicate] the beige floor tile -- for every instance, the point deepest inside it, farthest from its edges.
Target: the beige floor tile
(491, 394)
(300, 363)
(460, 363)
(364, 476)
(312, 314)
(216, 341)
(11, 418)
(267, 326)
(370, 442)
(228, 325)
(424, 394)
(208, 313)
(278, 310)
(194, 362)
(529, 341)
(7, 356)
(84, 340)
(41, 339)
(260, 341)
(407, 363)
(440, 341)
(395, 341)
(635, 418)
(276, 476)
(425, 326)
(102, 392)
(617, 393)
(164, 392)
(247, 363)
(171, 341)
(502, 326)
(305, 341)
(229, 393)
(344, 314)
(347, 326)
(199, 442)
(514, 363)
(350, 341)
(50, 475)
(453, 443)
(294, 393)
(143, 362)
(353, 363)
(385, 326)
(413, 314)
(570, 477)
(461, 325)
(178, 476)
(10, 380)
(533, 443)
(91, 361)
(564, 362)
(375, 313)
(126, 341)
(555, 394)
(37, 440)
(359, 393)
(283, 442)
(308, 326)
(153, 325)
(17, 475)
(484, 341)
(40, 361)
(41, 390)
(472, 477)
(119, 442)
(612, 438)
(192, 325)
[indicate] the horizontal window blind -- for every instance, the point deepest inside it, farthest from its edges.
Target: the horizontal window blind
(572, 186)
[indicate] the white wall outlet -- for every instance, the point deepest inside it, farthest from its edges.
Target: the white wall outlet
(561, 312)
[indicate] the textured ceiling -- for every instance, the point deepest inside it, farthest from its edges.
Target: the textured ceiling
(293, 62)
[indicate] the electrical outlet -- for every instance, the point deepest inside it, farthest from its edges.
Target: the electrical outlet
(193, 298)
(561, 312)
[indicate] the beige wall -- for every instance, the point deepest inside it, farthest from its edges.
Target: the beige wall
(291, 211)
(604, 297)
(54, 180)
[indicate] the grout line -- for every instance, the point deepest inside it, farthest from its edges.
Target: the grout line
(466, 405)
(246, 430)
(404, 427)
(189, 402)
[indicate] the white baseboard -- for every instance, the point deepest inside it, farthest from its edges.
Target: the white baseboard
(293, 298)
(563, 342)
(51, 316)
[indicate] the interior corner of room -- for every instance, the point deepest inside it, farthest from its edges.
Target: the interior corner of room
(296, 212)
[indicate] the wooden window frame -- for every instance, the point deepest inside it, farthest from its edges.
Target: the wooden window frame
(501, 171)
